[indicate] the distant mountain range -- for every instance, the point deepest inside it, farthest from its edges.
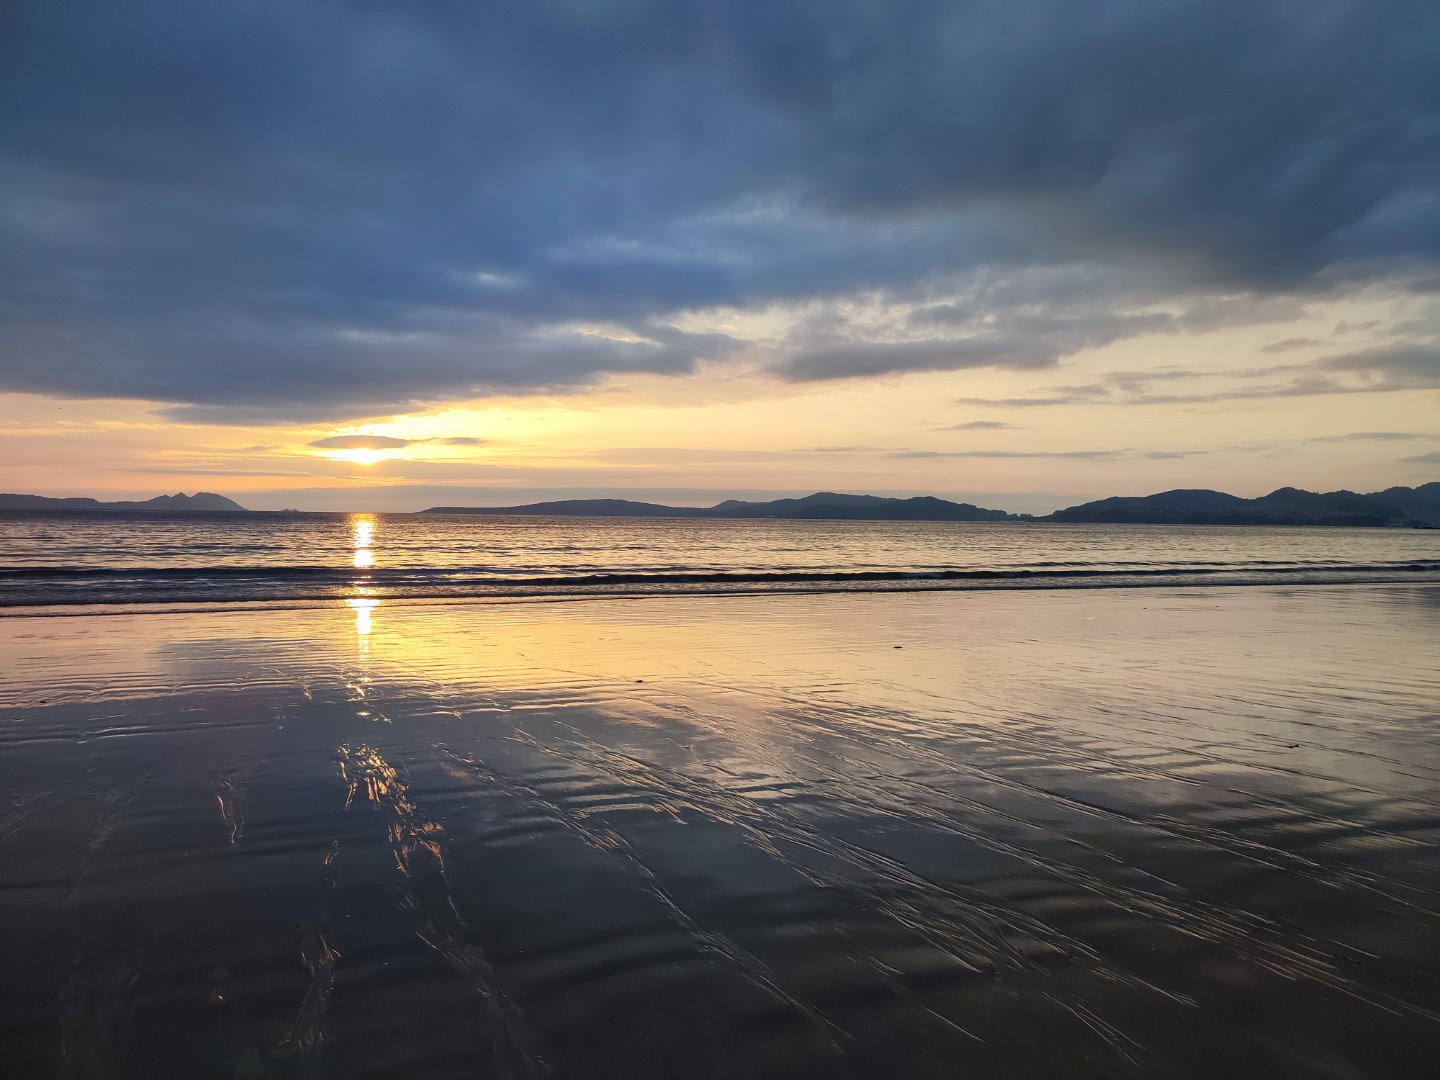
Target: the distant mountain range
(1394, 507)
(200, 502)
(1285, 506)
(823, 504)
(1397, 506)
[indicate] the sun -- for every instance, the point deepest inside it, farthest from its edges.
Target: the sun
(359, 457)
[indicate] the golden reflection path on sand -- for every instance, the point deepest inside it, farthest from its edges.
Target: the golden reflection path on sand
(362, 530)
(363, 606)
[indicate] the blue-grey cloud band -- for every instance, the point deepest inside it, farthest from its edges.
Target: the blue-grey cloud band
(280, 211)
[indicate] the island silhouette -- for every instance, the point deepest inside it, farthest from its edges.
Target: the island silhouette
(1395, 507)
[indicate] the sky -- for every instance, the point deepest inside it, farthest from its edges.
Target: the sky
(381, 256)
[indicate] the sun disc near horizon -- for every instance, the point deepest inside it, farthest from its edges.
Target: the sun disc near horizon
(359, 456)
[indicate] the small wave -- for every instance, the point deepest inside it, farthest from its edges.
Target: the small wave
(519, 576)
(75, 585)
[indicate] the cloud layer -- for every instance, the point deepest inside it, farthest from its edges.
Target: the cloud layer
(273, 210)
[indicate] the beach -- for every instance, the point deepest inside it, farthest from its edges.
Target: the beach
(712, 541)
(1159, 832)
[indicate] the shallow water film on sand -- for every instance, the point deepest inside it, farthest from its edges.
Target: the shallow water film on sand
(1118, 833)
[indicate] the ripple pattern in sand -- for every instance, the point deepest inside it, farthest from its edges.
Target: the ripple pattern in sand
(1130, 835)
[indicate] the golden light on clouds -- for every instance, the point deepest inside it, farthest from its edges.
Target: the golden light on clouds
(1190, 407)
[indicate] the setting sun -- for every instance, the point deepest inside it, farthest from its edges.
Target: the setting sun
(358, 457)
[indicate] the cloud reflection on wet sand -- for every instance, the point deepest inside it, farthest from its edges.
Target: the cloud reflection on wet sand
(1130, 833)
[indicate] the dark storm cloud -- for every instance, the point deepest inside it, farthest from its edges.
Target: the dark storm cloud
(279, 210)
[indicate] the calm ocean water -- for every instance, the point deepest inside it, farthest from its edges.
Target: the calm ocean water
(68, 558)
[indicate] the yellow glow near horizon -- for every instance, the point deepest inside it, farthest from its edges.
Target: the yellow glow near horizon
(358, 457)
(726, 430)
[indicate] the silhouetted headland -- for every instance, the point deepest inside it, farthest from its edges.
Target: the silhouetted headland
(1393, 507)
(823, 504)
(1396, 506)
(200, 502)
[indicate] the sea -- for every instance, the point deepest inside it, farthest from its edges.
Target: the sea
(65, 559)
(347, 797)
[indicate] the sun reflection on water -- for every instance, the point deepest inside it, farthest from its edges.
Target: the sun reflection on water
(362, 528)
(363, 606)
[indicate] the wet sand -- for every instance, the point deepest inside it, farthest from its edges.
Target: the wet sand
(1109, 833)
